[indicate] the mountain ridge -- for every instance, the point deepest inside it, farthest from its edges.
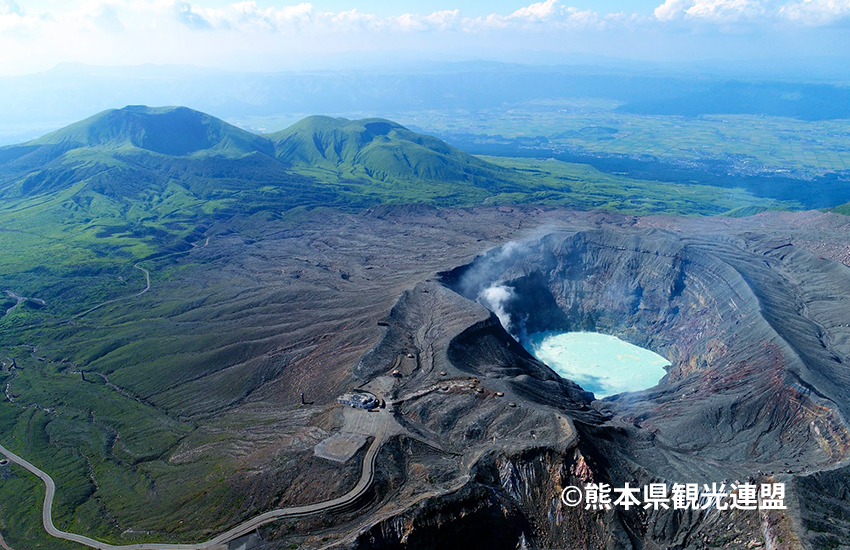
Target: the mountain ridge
(381, 149)
(128, 184)
(138, 181)
(173, 131)
(367, 149)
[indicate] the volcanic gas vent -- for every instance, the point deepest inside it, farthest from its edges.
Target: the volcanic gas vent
(626, 284)
(728, 315)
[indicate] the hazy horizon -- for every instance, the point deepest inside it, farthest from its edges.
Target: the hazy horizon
(35, 104)
(272, 36)
(64, 61)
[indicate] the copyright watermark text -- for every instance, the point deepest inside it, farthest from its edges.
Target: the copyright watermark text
(681, 496)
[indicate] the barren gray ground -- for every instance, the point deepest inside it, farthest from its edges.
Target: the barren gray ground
(752, 313)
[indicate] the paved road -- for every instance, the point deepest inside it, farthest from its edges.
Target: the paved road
(3, 544)
(379, 433)
(219, 542)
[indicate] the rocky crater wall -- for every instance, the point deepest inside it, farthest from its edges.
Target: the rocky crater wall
(756, 361)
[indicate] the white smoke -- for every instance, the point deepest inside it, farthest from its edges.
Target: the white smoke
(484, 282)
(495, 299)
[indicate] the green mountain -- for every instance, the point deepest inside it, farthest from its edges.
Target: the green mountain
(174, 131)
(843, 209)
(127, 184)
(382, 150)
(152, 142)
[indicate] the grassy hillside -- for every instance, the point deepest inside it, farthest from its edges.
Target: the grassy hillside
(583, 187)
(383, 151)
(843, 209)
(82, 204)
(167, 130)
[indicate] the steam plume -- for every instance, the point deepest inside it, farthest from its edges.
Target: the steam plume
(495, 299)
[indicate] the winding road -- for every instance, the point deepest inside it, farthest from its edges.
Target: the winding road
(147, 281)
(220, 542)
(112, 301)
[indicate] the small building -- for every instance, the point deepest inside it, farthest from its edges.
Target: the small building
(358, 400)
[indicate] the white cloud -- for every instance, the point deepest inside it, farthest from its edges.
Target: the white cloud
(671, 9)
(540, 11)
(550, 15)
(445, 20)
(189, 17)
(248, 16)
(101, 15)
(258, 31)
(816, 12)
(14, 20)
(765, 12)
(253, 16)
(709, 10)
(724, 10)
(10, 7)
(578, 17)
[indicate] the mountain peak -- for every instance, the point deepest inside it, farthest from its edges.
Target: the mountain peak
(174, 131)
(367, 128)
(326, 149)
(376, 148)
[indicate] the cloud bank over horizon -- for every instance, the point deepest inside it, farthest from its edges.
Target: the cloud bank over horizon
(258, 35)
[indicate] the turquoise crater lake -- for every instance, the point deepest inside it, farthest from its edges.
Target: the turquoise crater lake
(599, 363)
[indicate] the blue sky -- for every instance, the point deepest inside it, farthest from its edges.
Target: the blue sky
(471, 7)
(36, 35)
(387, 8)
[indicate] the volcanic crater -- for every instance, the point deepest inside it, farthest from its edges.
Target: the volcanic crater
(757, 343)
(752, 354)
(478, 438)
